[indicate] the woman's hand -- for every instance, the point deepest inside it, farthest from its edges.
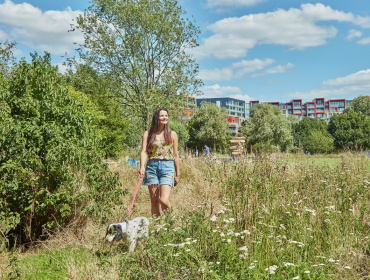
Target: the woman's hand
(177, 178)
(142, 172)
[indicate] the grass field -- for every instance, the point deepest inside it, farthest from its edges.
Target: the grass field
(279, 217)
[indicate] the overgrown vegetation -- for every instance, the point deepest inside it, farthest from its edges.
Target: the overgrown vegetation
(278, 217)
(51, 169)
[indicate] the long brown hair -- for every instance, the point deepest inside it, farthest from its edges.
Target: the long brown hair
(154, 128)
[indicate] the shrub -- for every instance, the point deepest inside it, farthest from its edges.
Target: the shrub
(50, 165)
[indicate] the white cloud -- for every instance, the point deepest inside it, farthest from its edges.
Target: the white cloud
(296, 29)
(354, 84)
(276, 70)
(364, 41)
(353, 34)
(244, 97)
(3, 36)
(219, 91)
(232, 3)
(44, 31)
(235, 70)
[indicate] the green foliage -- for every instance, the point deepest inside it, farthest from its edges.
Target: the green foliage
(279, 217)
(265, 148)
(302, 130)
(267, 126)
(361, 105)
(182, 132)
(107, 121)
(208, 126)
(6, 57)
(350, 131)
(51, 168)
(140, 46)
(319, 142)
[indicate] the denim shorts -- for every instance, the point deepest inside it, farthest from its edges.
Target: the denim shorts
(159, 172)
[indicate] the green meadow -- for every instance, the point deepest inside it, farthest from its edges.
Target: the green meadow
(281, 216)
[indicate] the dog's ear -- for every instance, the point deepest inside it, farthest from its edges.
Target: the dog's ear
(119, 233)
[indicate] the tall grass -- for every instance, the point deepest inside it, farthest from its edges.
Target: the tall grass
(279, 217)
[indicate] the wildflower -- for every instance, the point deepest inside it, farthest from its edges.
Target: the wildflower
(347, 267)
(271, 269)
(236, 234)
(215, 230)
(221, 212)
(295, 278)
(313, 212)
(252, 265)
(217, 262)
(201, 269)
(242, 256)
(246, 232)
(214, 218)
(331, 260)
(232, 220)
(244, 248)
(187, 250)
(229, 240)
(176, 255)
(222, 234)
(195, 241)
(307, 272)
(289, 264)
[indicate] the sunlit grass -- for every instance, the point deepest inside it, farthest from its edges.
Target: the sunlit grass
(279, 217)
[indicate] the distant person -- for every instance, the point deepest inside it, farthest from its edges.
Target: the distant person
(206, 150)
(196, 153)
(160, 144)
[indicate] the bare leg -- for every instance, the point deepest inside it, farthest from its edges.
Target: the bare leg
(154, 200)
(164, 197)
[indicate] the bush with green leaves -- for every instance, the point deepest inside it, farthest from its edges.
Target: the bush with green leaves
(209, 126)
(267, 126)
(319, 142)
(107, 120)
(302, 130)
(51, 168)
(350, 131)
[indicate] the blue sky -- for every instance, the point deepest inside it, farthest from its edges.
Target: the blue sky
(263, 50)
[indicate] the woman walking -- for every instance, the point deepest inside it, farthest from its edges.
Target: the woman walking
(160, 146)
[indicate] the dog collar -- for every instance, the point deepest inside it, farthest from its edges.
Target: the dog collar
(126, 225)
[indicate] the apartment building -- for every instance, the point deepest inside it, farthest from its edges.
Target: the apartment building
(239, 110)
(317, 108)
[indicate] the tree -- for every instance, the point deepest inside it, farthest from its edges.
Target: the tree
(302, 130)
(107, 121)
(51, 168)
(6, 57)
(319, 142)
(140, 45)
(350, 131)
(361, 105)
(181, 130)
(105, 110)
(208, 126)
(267, 126)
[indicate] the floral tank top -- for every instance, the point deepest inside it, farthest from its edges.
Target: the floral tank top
(161, 151)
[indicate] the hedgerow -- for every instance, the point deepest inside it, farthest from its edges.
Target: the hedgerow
(51, 169)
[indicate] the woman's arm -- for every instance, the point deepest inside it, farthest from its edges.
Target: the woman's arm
(143, 154)
(175, 142)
